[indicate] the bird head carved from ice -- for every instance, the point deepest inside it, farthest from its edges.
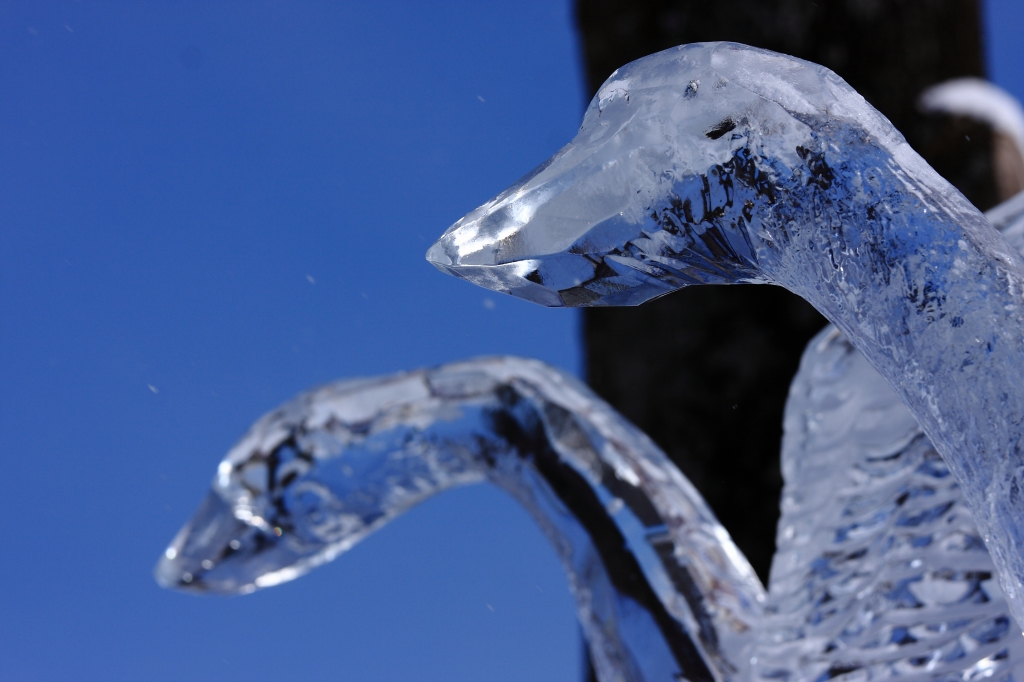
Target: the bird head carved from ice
(682, 172)
(312, 478)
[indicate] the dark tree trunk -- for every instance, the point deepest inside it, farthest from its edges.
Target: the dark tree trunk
(706, 370)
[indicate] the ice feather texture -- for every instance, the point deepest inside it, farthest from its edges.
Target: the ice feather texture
(720, 163)
(879, 569)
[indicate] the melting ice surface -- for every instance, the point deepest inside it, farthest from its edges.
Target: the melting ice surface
(720, 163)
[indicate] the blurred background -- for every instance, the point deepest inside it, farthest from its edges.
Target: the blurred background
(206, 208)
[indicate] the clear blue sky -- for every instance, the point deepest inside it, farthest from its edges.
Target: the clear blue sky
(206, 208)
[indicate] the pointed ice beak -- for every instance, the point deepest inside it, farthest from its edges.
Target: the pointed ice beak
(518, 278)
(437, 257)
(199, 546)
(216, 552)
(565, 279)
(526, 242)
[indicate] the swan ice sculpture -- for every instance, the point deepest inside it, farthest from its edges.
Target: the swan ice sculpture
(718, 163)
(660, 588)
(880, 571)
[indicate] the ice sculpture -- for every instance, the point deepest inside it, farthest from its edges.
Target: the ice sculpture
(718, 163)
(662, 592)
(880, 571)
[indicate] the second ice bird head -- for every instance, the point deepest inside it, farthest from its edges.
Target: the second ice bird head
(315, 476)
(674, 179)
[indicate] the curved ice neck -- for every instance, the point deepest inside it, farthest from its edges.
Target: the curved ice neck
(661, 590)
(931, 295)
(634, 631)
